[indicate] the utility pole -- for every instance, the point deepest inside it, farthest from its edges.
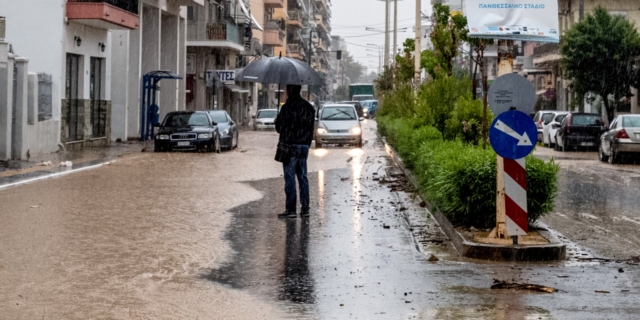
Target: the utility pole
(386, 33)
(418, 43)
(395, 29)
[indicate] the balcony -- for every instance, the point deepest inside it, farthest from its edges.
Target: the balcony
(274, 37)
(105, 14)
(214, 35)
(546, 54)
(295, 18)
(322, 5)
(296, 51)
(274, 3)
(322, 24)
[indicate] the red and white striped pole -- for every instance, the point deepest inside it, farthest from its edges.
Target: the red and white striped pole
(511, 204)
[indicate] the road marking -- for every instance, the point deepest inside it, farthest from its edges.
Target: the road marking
(53, 175)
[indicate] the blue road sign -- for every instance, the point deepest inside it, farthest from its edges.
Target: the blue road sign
(513, 134)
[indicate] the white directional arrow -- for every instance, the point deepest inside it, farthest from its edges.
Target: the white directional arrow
(523, 140)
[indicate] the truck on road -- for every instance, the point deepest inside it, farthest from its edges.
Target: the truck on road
(361, 91)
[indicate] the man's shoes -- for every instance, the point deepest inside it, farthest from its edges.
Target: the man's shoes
(288, 214)
(305, 213)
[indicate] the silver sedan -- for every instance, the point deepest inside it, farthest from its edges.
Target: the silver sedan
(623, 136)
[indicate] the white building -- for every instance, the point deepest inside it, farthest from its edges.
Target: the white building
(95, 53)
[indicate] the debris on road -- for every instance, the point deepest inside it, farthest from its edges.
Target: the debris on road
(602, 291)
(45, 164)
(499, 284)
(68, 164)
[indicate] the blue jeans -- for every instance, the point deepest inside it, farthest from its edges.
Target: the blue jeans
(297, 167)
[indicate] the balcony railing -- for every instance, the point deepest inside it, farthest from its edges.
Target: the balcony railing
(274, 37)
(274, 3)
(127, 5)
(223, 31)
(546, 48)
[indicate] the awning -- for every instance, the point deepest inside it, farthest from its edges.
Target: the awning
(255, 23)
(236, 88)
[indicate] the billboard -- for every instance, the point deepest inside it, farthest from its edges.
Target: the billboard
(530, 20)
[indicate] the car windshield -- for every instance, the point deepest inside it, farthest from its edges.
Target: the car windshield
(631, 122)
(586, 120)
(186, 119)
(547, 117)
(267, 114)
(560, 117)
(218, 116)
(338, 113)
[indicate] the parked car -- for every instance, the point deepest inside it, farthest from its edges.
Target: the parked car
(339, 124)
(540, 118)
(264, 119)
(187, 130)
(357, 105)
(549, 133)
(579, 130)
(369, 108)
(229, 134)
(623, 136)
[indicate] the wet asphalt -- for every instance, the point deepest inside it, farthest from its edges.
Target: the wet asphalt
(195, 236)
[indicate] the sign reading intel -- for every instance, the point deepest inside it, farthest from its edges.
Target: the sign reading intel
(530, 20)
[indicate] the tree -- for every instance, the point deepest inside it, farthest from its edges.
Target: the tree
(352, 68)
(342, 93)
(598, 54)
(447, 35)
(405, 66)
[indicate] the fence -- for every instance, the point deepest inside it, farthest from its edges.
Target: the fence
(45, 100)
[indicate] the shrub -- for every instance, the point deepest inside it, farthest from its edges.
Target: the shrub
(460, 179)
(466, 121)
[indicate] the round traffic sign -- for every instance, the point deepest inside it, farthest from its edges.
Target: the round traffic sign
(513, 134)
(511, 90)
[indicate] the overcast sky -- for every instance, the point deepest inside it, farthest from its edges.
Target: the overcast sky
(350, 17)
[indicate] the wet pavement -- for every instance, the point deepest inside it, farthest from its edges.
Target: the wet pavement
(598, 204)
(195, 236)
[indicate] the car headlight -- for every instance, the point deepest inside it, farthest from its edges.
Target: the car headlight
(205, 136)
(356, 130)
(259, 122)
(365, 109)
(162, 137)
(322, 130)
(225, 132)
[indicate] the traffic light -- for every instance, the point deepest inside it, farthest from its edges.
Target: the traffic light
(339, 54)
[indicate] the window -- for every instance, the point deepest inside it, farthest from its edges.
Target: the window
(338, 113)
(631, 122)
(191, 14)
(44, 96)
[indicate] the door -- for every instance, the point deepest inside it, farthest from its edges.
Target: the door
(72, 94)
(98, 105)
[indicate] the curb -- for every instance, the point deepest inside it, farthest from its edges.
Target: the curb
(550, 252)
(54, 175)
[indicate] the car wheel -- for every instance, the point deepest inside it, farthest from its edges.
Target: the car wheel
(564, 145)
(318, 144)
(603, 157)
(156, 148)
(551, 144)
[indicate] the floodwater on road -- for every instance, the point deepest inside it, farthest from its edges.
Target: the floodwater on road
(195, 236)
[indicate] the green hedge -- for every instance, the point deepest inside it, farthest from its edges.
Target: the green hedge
(459, 178)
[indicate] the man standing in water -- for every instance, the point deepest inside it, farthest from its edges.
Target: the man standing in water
(295, 126)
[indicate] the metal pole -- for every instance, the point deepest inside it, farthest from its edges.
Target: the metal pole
(418, 43)
(395, 29)
(386, 33)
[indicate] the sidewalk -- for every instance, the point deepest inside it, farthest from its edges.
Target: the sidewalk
(14, 171)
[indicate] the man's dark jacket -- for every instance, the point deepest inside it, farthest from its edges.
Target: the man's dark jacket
(295, 121)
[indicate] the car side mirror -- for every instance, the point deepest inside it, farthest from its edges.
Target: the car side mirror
(361, 119)
(555, 126)
(157, 125)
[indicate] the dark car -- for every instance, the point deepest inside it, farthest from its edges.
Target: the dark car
(228, 130)
(579, 130)
(357, 105)
(187, 130)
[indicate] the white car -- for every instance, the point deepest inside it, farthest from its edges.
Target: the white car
(549, 133)
(264, 119)
(541, 117)
(338, 124)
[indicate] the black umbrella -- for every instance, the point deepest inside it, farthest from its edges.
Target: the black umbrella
(280, 70)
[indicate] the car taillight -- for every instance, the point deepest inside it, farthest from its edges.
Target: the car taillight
(539, 124)
(622, 134)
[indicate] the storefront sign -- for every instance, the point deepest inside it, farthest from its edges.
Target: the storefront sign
(531, 20)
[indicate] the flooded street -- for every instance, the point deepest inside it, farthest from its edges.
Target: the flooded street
(195, 236)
